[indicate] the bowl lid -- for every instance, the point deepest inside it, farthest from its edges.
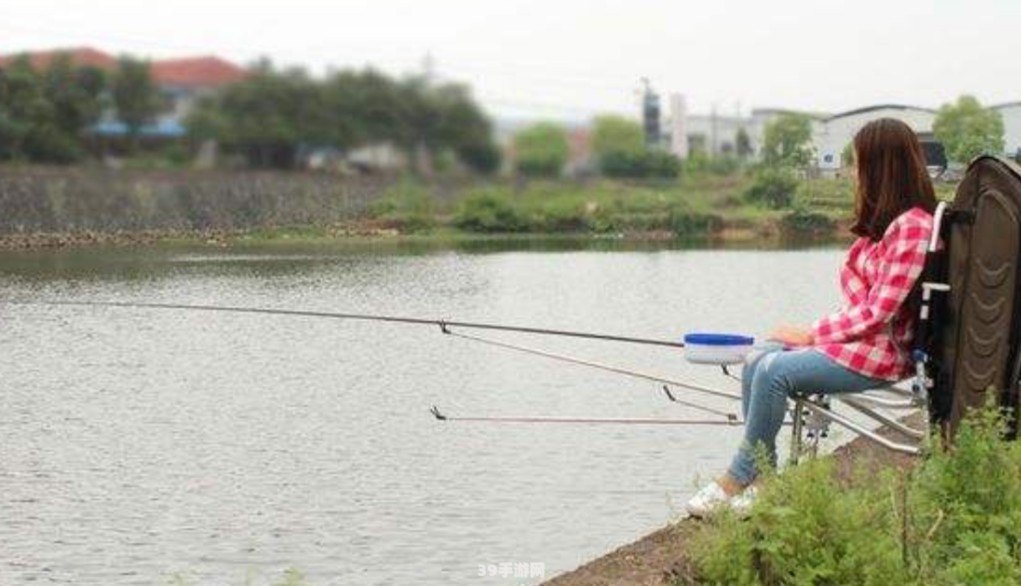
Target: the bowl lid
(707, 339)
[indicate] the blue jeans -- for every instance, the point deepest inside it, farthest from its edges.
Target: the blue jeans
(768, 380)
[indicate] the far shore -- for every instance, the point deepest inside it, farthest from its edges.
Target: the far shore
(55, 208)
(764, 235)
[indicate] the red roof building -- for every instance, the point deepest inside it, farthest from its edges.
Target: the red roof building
(80, 57)
(196, 72)
(185, 73)
(182, 82)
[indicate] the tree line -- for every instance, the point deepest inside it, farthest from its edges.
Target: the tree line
(49, 115)
(273, 114)
(46, 116)
(617, 149)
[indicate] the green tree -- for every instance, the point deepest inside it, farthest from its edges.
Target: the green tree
(616, 134)
(463, 128)
(787, 140)
(541, 150)
(267, 117)
(22, 105)
(743, 144)
(483, 158)
(272, 114)
(134, 95)
(76, 95)
(366, 106)
(28, 129)
(443, 119)
(967, 130)
(619, 146)
(847, 155)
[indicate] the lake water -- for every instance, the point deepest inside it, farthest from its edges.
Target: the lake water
(146, 446)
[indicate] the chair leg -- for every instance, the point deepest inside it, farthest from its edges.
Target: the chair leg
(809, 428)
(797, 431)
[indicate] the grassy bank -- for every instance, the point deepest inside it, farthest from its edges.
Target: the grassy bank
(742, 206)
(74, 208)
(698, 207)
(861, 516)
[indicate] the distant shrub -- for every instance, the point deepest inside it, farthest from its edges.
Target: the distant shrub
(407, 206)
(48, 145)
(612, 133)
(561, 215)
(490, 211)
(640, 164)
(686, 223)
(621, 164)
(482, 158)
(699, 162)
(773, 187)
(804, 222)
(662, 165)
(541, 149)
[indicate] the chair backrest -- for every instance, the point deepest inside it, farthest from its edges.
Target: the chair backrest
(972, 344)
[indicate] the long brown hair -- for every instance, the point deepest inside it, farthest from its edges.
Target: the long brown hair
(892, 177)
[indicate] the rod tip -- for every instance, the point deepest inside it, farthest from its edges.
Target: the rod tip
(436, 413)
(669, 395)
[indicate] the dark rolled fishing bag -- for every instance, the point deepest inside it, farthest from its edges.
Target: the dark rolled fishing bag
(970, 315)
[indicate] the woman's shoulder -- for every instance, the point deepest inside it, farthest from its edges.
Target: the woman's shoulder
(911, 224)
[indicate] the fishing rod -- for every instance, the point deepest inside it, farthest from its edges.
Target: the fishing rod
(727, 418)
(612, 420)
(442, 324)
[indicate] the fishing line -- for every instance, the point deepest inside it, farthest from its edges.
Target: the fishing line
(606, 367)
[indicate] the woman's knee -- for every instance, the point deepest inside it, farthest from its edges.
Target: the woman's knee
(753, 363)
(748, 370)
(773, 376)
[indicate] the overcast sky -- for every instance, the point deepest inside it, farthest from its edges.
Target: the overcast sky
(571, 58)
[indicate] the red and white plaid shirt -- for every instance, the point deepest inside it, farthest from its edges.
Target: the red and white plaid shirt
(872, 334)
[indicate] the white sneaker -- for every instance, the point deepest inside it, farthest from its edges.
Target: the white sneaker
(708, 500)
(742, 503)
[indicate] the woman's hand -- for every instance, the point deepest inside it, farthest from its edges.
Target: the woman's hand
(792, 336)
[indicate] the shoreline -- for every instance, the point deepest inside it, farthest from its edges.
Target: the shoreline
(765, 234)
(661, 557)
(53, 208)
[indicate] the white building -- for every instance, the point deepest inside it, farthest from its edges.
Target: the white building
(1011, 114)
(676, 124)
(717, 134)
(831, 135)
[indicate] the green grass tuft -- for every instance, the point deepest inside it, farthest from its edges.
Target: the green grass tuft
(955, 519)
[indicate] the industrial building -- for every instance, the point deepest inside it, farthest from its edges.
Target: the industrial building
(831, 135)
(718, 135)
(1011, 114)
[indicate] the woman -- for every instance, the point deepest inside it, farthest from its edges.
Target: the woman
(866, 344)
